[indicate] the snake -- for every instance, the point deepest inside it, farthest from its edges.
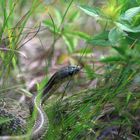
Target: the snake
(18, 114)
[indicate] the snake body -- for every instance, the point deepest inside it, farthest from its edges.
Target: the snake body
(18, 124)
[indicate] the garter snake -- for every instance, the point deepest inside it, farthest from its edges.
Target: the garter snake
(41, 121)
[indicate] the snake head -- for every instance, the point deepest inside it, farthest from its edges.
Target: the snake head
(70, 70)
(63, 74)
(67, 72)
(59, 77)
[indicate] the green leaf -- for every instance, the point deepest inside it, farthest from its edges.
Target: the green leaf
(111, 59)
(128, 28)
(87, 51)
(69, 42)
(94, 12)
(78, 33)
(103, 35)
(59, 16)
(50, 25)
(74, 16)
(115, 36)
(82, 35)
(102, 43)
(130, 13)
(120, 50)
(101, 40)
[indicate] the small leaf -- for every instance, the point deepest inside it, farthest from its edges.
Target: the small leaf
(115, 36)
(101, 39)
(70, 43)
(87, 51)
(111, 59)
(94, 12)
(75, 15)
(130, 13)
(79, 34)
(102, 43)
(102, 35)
(59, 16)
(120, 50)
(49, 24)
(128, 28)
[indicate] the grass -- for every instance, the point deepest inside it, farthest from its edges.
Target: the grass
(88, 114)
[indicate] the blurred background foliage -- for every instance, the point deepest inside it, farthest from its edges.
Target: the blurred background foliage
(38, 37)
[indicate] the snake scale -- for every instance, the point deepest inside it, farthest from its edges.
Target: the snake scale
(16, 126)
